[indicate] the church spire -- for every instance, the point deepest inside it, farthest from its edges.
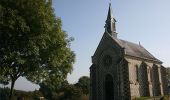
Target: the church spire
(110, 25)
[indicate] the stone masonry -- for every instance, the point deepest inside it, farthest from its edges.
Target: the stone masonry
(122, 70)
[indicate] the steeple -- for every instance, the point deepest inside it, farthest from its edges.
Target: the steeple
(110, 26)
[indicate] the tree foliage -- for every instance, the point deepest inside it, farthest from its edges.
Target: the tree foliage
(71, 92)
(4, 92)
(20, 95)
(32, 42)
(65, 91)
(84, 84)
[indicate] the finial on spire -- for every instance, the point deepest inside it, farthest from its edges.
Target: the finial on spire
(139, 43)
(110, 26)
(110, 2)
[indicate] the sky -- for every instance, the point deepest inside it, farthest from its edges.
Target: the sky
(144, 21)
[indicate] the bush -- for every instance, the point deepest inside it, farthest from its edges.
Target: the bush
(71, 92)
(4, 93)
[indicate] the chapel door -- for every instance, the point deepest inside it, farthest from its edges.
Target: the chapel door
(109, 88)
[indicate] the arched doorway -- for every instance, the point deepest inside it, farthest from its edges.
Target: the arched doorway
(109, 88)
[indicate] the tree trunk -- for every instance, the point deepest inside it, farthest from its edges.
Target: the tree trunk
(12, 88)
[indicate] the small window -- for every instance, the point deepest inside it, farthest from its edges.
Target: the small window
(137, 73)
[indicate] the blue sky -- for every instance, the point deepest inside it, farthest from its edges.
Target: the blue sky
(147, 21)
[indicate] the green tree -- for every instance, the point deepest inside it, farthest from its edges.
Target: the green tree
(32, 42)
(4, 93)
(84, 84)
(65, 91)
(47, 90)
(70, 92)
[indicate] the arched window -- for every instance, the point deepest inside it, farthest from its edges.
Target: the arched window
(143, 80)
(137, 73)
(155, 81)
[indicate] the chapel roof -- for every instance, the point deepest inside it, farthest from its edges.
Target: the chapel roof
(135, 50)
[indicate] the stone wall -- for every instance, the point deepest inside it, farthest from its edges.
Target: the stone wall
(132, 77)
(145, 78)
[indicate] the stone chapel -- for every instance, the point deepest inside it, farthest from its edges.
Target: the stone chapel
(122, 70)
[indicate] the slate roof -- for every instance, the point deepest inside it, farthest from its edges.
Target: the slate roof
(135, 50)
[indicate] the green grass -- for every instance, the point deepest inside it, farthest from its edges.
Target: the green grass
(142, 98)
(151, 98)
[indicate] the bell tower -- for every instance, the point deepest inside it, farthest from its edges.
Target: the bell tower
(110, 26)
(104, 72)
